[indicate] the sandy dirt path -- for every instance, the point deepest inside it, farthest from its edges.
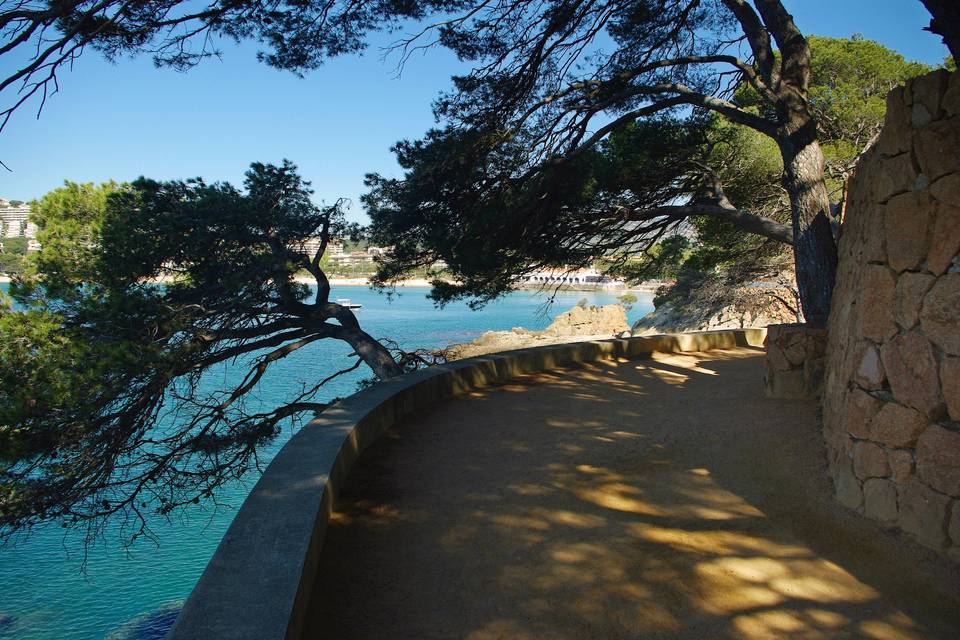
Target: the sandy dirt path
(663, 498)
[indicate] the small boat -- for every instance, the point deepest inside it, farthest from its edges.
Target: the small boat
(346, 302)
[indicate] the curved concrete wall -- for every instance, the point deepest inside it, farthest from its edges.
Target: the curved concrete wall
(260, 578)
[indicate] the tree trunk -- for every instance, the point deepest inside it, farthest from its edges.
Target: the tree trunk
(814, 248)
(374, 354)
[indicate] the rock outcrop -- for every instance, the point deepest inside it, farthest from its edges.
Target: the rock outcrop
(756, 305)
(578, 323)
(609, 320)
(891, 399)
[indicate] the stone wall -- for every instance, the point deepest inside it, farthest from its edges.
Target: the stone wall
(795, 361)
(891, 402)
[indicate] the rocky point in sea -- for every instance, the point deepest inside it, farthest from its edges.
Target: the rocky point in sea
(579, 323)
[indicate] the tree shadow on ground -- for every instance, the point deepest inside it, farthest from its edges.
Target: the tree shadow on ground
(628, 499)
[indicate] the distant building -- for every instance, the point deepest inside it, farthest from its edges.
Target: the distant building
(311, 245)
(350, 259)
(340, 258)
(14, 220)
(378, 251)
(578, 278)
(33, 245)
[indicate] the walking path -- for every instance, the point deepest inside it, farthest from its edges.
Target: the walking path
(661, 498)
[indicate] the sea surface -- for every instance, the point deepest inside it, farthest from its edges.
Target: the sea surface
(50, 589)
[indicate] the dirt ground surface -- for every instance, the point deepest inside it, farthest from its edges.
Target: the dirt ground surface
(662, 498)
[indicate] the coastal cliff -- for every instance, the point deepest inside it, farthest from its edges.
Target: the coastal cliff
(757, 304)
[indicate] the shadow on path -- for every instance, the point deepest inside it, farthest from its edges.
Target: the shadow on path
(634, 499)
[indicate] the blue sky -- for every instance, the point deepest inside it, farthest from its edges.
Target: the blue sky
(128, 119)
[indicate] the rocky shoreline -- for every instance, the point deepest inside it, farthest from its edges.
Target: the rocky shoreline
(610, 321)
(579, 323)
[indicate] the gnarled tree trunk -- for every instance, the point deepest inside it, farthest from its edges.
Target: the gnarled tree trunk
(374, 354)
(814, 248)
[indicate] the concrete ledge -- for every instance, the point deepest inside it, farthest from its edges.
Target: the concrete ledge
(259, 581)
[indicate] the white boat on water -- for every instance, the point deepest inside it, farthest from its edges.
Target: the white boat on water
(346, 302)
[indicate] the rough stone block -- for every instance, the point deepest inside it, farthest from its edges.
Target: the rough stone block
(927, 91)
(869, 374)
(813, 374)
(938, 459)
(849, 491)
(945, 242)
(870, 461)
(874, 242)
(876, 303)
(946, 190)
(920, 115)
(880, 500)
(860, 407)
(794, 360)
(940, 315)
(950, 102)
(907, 225)
(912, 372)
(901, 465)
(953, 528)
(908, 296)
(937, 148)
(796, 353)
(895, 137)
(776, 359)
(789, 385)
(923, 513)
(897, 426)
(950, 385)
(842, 448)
(896, 175)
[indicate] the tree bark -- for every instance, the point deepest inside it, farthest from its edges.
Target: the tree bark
(374, 354)
(814, 248)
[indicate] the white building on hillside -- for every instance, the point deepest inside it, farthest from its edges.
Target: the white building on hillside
(13, 220)
(580, 278)
(312, 245)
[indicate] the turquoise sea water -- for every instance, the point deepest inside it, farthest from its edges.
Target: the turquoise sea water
(136, 592)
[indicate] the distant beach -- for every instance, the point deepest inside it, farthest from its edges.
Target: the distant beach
(365, 282)
(413, 282)
(642, 287)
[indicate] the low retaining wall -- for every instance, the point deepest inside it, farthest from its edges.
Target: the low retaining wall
(795, 361)
(259, 581)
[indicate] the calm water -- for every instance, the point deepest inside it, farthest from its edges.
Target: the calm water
(136, 592)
